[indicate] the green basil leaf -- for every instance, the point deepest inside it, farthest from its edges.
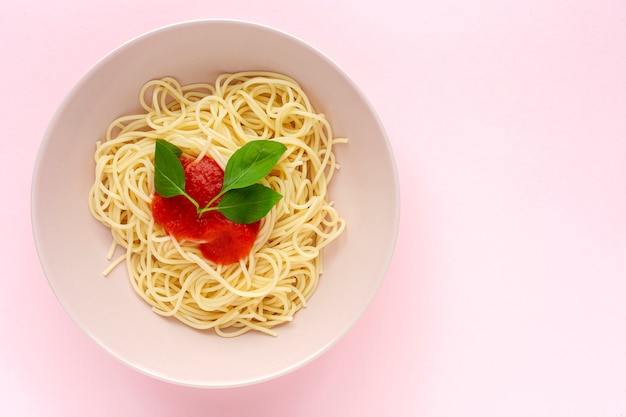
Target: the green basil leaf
(251, 163)
(249, 204)
(169, 175)
(169, 145)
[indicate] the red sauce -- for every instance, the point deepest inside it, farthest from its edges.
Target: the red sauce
(222, 241)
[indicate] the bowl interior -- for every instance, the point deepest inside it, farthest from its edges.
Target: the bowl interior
(72, 245)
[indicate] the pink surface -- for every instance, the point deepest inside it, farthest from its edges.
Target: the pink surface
(507, 293)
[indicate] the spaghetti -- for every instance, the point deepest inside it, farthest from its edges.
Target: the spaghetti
(281, 272)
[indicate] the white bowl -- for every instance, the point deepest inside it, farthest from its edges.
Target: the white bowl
(72, 245)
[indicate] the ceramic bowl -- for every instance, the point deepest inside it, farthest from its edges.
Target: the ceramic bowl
(72, 246)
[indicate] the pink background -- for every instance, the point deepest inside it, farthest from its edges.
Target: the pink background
(507, 292)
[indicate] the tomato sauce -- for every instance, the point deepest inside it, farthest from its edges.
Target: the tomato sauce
(221, 240)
